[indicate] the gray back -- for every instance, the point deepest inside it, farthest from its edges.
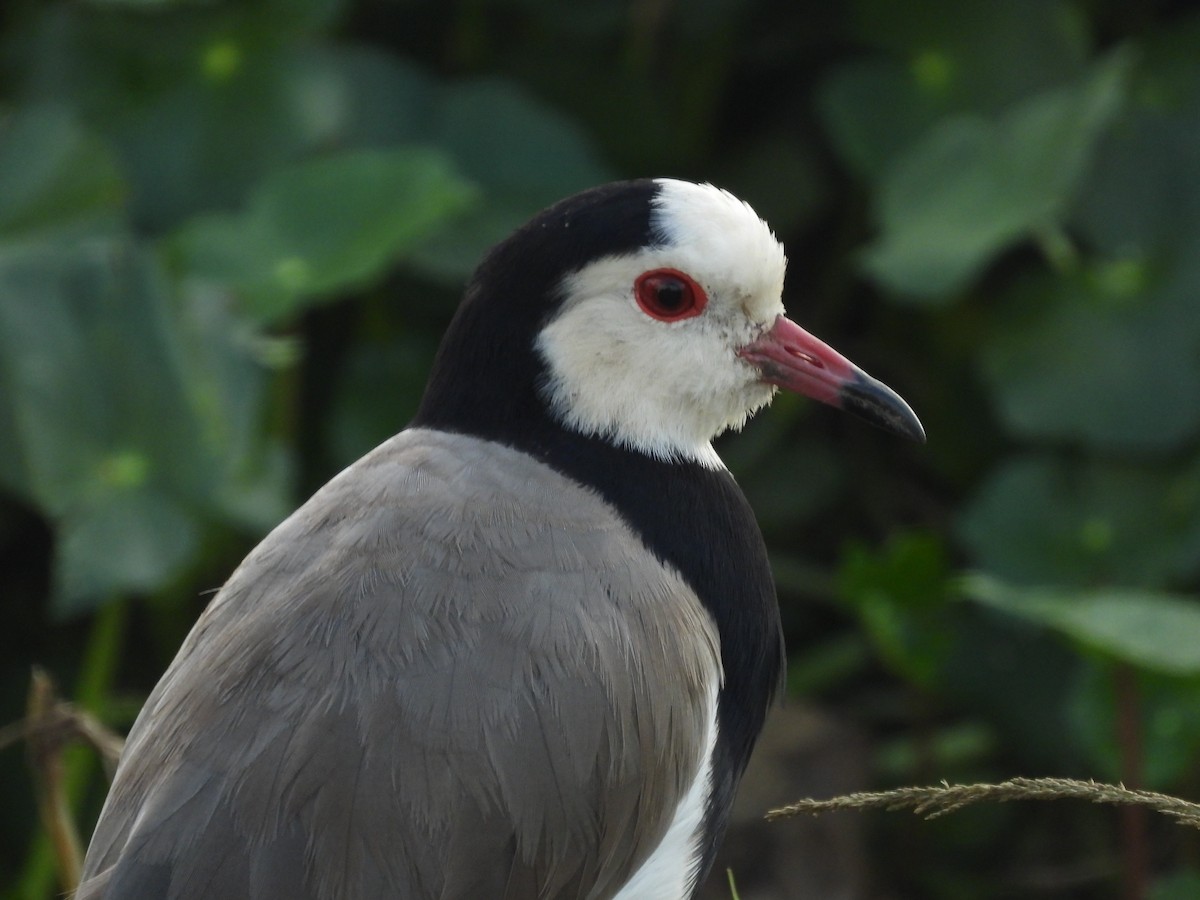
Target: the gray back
(453, 673)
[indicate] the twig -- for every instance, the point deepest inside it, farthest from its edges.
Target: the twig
(45, 760)
(49, 727)
(62, 723)
(932, 802)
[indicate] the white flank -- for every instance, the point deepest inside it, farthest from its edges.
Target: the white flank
(670, 871)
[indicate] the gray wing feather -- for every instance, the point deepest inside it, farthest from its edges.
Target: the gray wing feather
(446, 676)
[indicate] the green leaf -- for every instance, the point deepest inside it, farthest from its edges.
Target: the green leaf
(227, 362)
(973, 187)
(1178, 886)
(874, 110)
(323, 226)
(1040, 520)
(359, 421)
(978, 54)
(53, 171)
(1143, 199)
(505, 139)
(358, 96)
(803, 476)
(942, 60)
(132, 540)
(522, 154)
(1167, 710)
(1106, 357)
(223, 100)
(1152, 630)
(995, 664)
(828, 665)
(103, 431)
(899, 592)
(93, 363)
(139, 5)
(130, 419)
(199, 104)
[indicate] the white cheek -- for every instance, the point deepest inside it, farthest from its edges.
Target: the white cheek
(668, 388)
(664, 388)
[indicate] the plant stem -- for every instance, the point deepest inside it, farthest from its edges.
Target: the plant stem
(733, 891)
(1134, 850)
(45, 754)
(100, 659)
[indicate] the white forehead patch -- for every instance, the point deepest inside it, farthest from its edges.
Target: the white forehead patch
(668, 388)
(720, 234)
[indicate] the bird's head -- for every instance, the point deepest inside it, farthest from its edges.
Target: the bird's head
(648, 313)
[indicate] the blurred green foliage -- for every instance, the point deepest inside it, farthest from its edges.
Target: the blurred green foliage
(231, 234)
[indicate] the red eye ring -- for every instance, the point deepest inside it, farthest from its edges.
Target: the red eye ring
(669, 295)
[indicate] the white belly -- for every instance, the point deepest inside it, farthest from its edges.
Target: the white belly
(670, 871)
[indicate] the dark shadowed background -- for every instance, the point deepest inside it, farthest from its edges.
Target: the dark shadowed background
(231, 234)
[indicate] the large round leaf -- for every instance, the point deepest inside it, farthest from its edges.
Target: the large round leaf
(1149, 629)
(322, 226)
(1038, 519)
(973, 186)
(1107, 358)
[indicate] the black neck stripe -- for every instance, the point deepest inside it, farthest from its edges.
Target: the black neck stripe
(485, 383)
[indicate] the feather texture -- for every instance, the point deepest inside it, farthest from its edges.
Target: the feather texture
(453, 673)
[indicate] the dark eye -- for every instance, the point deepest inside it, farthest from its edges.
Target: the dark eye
(668, 295)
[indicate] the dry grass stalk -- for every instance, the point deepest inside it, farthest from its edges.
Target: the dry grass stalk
(932, 802)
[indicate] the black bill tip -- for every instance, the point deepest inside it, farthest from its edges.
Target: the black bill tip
(878, 404)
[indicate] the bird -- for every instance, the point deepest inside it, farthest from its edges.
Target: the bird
(524, 648)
